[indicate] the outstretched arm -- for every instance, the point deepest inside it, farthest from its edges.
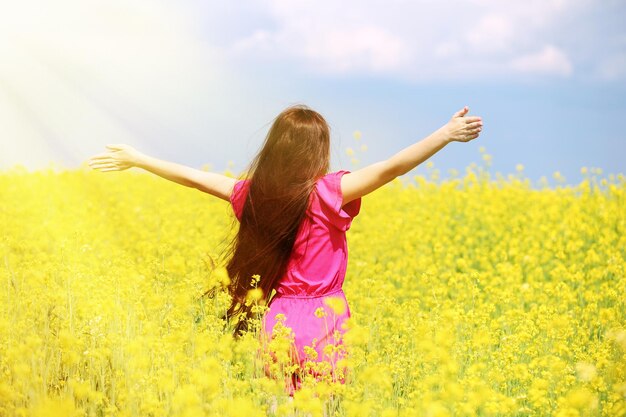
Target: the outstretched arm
(121, 157)
(365, 180)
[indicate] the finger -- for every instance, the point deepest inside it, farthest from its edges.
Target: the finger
(101, 162)
(100, 159)
(101, 156)
(99, 166)
(472, 121)
(114, 146)
(107, 167)
(461, 112)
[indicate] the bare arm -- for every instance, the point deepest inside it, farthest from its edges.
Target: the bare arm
(212, 183)
(121, 157)
(365, 180)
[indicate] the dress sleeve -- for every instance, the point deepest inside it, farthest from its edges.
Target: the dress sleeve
(331, 199)
(238, 197)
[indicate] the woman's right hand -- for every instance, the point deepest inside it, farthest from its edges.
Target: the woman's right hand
(117, 158)
(463, 129)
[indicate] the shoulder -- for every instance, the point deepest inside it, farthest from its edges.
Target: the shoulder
(238, 195)
(334, 176)
(239, 185)
(330, 197)
(331, 182)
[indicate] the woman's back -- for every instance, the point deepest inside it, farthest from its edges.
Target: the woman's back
(315, 272)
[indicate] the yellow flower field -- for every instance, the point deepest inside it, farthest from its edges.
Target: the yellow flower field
(472, 296)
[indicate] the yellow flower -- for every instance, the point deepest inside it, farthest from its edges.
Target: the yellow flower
(337, 304)
(619, 336)
(254, 295)
(255, 279)
(221, 275)
(582, 398)
(585, 371)
(328, 349)
(355, 335)
(463, 330)
(310, 352)
(54, 407)
(437, 409)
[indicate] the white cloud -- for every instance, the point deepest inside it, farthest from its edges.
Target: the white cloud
(612, 68)
(326, 45)
(494, 33)
(419, 39)
(447, 49)
(367, 48)
(550, 60)
(260, 39)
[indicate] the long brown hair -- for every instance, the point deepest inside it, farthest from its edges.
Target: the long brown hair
(296, 152)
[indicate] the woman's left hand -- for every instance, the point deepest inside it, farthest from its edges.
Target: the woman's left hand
(118, 158)
(463, 129)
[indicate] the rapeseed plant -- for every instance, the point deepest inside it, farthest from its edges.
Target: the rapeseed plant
(469, 297)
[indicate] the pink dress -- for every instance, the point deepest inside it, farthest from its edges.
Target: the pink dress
(315, 273)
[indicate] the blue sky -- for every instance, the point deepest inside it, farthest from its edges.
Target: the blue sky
(199, 82)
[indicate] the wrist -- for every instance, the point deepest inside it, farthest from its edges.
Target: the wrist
(139, 160)
(443, 134)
